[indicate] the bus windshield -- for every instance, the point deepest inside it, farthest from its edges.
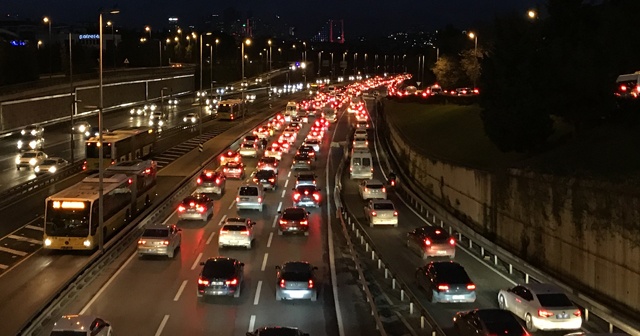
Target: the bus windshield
(93, 151)
(224, 108)
(68, 222)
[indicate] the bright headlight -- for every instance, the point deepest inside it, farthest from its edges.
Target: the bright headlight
(32, 161)
(19, 144)
(160, 123)
(47, 242)
(193, 119)
(17, 160)
(184, 119)
(82, 128)
(36, 169)
(86, 243)
(32, 144)
(153, 107)
(52, 169)
(23, 132)
(87, 134)
(33, 132)
(150, 122)
(132, 111)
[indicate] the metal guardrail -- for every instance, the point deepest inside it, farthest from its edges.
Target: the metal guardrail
(361, 278)
(116, 246)
(500, 258)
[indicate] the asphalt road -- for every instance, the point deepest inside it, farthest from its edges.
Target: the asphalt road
(157, 296)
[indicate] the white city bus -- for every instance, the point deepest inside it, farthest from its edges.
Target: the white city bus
(231, 109)
(119, 145)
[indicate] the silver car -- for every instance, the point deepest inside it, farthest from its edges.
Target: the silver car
(250, 196)
(315, 143)
(196, 207)
(160, 240)
(190, 118)
(50, 165)
(296, 280)
(248, 149)
(372, 189)
(541, 306)
(302, 161)
(236, 232)
(381, 212)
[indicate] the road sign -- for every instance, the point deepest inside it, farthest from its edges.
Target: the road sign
(126, 61)
(418, 83)
(200, 148)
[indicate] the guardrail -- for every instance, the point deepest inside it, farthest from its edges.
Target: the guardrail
(113, 249)
(361, 278)
(500, 259)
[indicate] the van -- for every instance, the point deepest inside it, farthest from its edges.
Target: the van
(330, 114)
(361, 164)
(291, 109)
(250, 196)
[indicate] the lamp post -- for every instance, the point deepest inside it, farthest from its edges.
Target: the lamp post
(375, 64)
(100, 138)
(319, 61)
(366, 66)
(355, 64)
(474, 37)
(115, 46)
(403, 63)
(270, 64)
(248, 43)
(200, 88)
(532, 14)
(211, 68)
(385, 62)
(344, 68)
(47, 20)
(331, 72)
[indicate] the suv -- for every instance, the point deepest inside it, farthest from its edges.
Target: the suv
(160, 240)
(210, 182)
(305, 179)
(302, 161)
(293, 220)
(196, 206)
(221, 276)
(267, 178)
(268, 163)
(307, 150)
(306, 196)
(250, 196)
(370, 189)
(446, 281)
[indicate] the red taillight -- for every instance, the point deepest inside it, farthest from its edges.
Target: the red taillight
(199, 180)
(181, 208)
(201, 209)
(283, 283)
(296, 196)
(427, 242)
(623, 88)
(237, 199)
(304, 222)
(224, 231)
(310, 284)
(544, 313)
(192, 204)
(373, 213)
(142, 242)
(316, 196)
(471, 287)
(225, 170)
(283, 222)
(209, 174)
(232, 282)
(577, 313)
(452, 241)
(204, 282)
(272, 179)
(259, 199)
(443, 287)
(217, 181)
(395, 213)
(384, 189)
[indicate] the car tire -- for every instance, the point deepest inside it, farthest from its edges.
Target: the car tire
(250, 245)
(306, 233)
(261, 207)
(501, 302)
(432, 297)
(17, 167)
(528, 320)
(171, 254)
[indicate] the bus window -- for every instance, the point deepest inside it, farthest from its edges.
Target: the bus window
(356, 162)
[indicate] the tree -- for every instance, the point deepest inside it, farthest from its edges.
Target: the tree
(470, 62)
(447, 72)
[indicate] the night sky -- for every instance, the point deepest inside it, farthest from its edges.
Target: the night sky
(362, 17)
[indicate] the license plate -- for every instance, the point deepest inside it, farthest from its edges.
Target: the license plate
(458, 297)
(244, 198)
(562, 316)
(296, 294)
(217, 283)
(441, 252)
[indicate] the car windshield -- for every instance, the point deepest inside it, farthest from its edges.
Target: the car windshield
(234, 227)
(374, 186)
(265, 173)
(29, 155)
(302, 157)
(383, 206)
(293, 214)
(452, 274)
(68, 333)
(49, 162)
(248, 191)
(156, 233)
(218, 269)
(500, 322)
(247, 145)
(233, 165)
(306, 177)
(554, 300)
(268, 160)
(296, 276)
(306, 189)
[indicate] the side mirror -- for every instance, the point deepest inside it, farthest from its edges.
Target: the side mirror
(279, 212)
(319, 189)
(179, 230)
(202, 263)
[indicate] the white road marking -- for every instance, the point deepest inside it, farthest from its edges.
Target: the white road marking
(211, 237)
(162, 324)
(170, 216)
(12, 251)
(222, 219)
(177, 297)
(256, 299)
(197, 262)
(231, 205)
(3, 266)
(275, 220)
(286, 183)
(283, 192)
(264, 262)
(279, 206)
(115, 275)
(33, 227)
(289, 175)
(25, 239)
(252, 323)
(270, 238)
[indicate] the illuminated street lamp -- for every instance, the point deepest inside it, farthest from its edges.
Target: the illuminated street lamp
(148, 30)
(47, 20)
(246, 41)
(532, 14)
(474, 37)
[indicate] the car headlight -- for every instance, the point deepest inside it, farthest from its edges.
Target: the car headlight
(82, 128)
(33, 144)
(32, 162)
(153, 107)
(184, 119)
(87, 134)
(151, 122)
(17, 160)
(23, 132)
(132, 111)
(86, 243)
(19, 144)
(193, 119)
(52, 169)
(36, 169)
(160, 123)
(33, 132)
(47, 242)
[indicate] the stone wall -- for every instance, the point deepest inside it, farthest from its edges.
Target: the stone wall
(587, 233)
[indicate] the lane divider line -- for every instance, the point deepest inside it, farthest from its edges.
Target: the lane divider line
(286, 183)
(222, 219)
(275, 220)
(169, 217)
(283, 192)
(231, 205)
(177, 297)
(113, 277)
(270, 238)
(279, 206)
(264, 262)
(33, 227)
(197, 262)
(252, 323)
(211, 237)
(289, 175)
(162, 324)
(256, 299)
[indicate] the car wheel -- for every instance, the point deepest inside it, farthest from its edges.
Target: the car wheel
(250, 245)
(501, 302)
(306, 233)
(17, 167)
(529, 322)
(432, 297)
(370, 224)
(425, 256)
(171, 254)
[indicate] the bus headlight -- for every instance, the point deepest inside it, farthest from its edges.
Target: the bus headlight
(52, 169)
(32, 161)
(47, 242)
(86, 243)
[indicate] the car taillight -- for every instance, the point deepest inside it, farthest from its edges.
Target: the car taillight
(316, 196)
(296, 196)
(181, 208)
(443, 287)
(544, 313)
(259, 199)
(452, 241)
(272, 179)
(201, 209)
(199, 180)
(304, 222)
(217, 181)
(232, 282)
(577, 313)
(225, 170)
(427, 242)
(224, 231)
(384, 189)
(237, 199)
(283, 283)
(310, 285)
(283, 222)
(471, 287)
(373, 213)
(395, 213)
(142, 242)
(202, 281)
(192, 204)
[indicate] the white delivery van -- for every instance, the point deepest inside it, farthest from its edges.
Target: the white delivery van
(330, 114)
(291, 110)
(361, 164)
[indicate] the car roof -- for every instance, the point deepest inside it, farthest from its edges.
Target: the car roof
(373, 181)
(266, 171)
(446, 265)
(157, 226)
(544, 288)
(306, 186)
(381, 201)
(221, 260)
(294, 210)
(236, 219)
(296, 266)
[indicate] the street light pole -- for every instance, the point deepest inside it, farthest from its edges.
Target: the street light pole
(211, 68)
(319, 61)
(47, 20)
(73, 98)
(160, 51)
(201, 63)
(475, 51)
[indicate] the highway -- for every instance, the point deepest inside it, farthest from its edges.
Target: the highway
(157, 296)
(20, 252)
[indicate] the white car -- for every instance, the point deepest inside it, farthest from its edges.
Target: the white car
(30, 159)
(315, 143)
(190, 118)
(50, 165)
(381, 212)
(159, 239)
(236, 232)
(360, 133)
(289, 136)
(82, 127)
(248, 149)
(372, 189)
(541, 306)
(360, 142)
(274, 153)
